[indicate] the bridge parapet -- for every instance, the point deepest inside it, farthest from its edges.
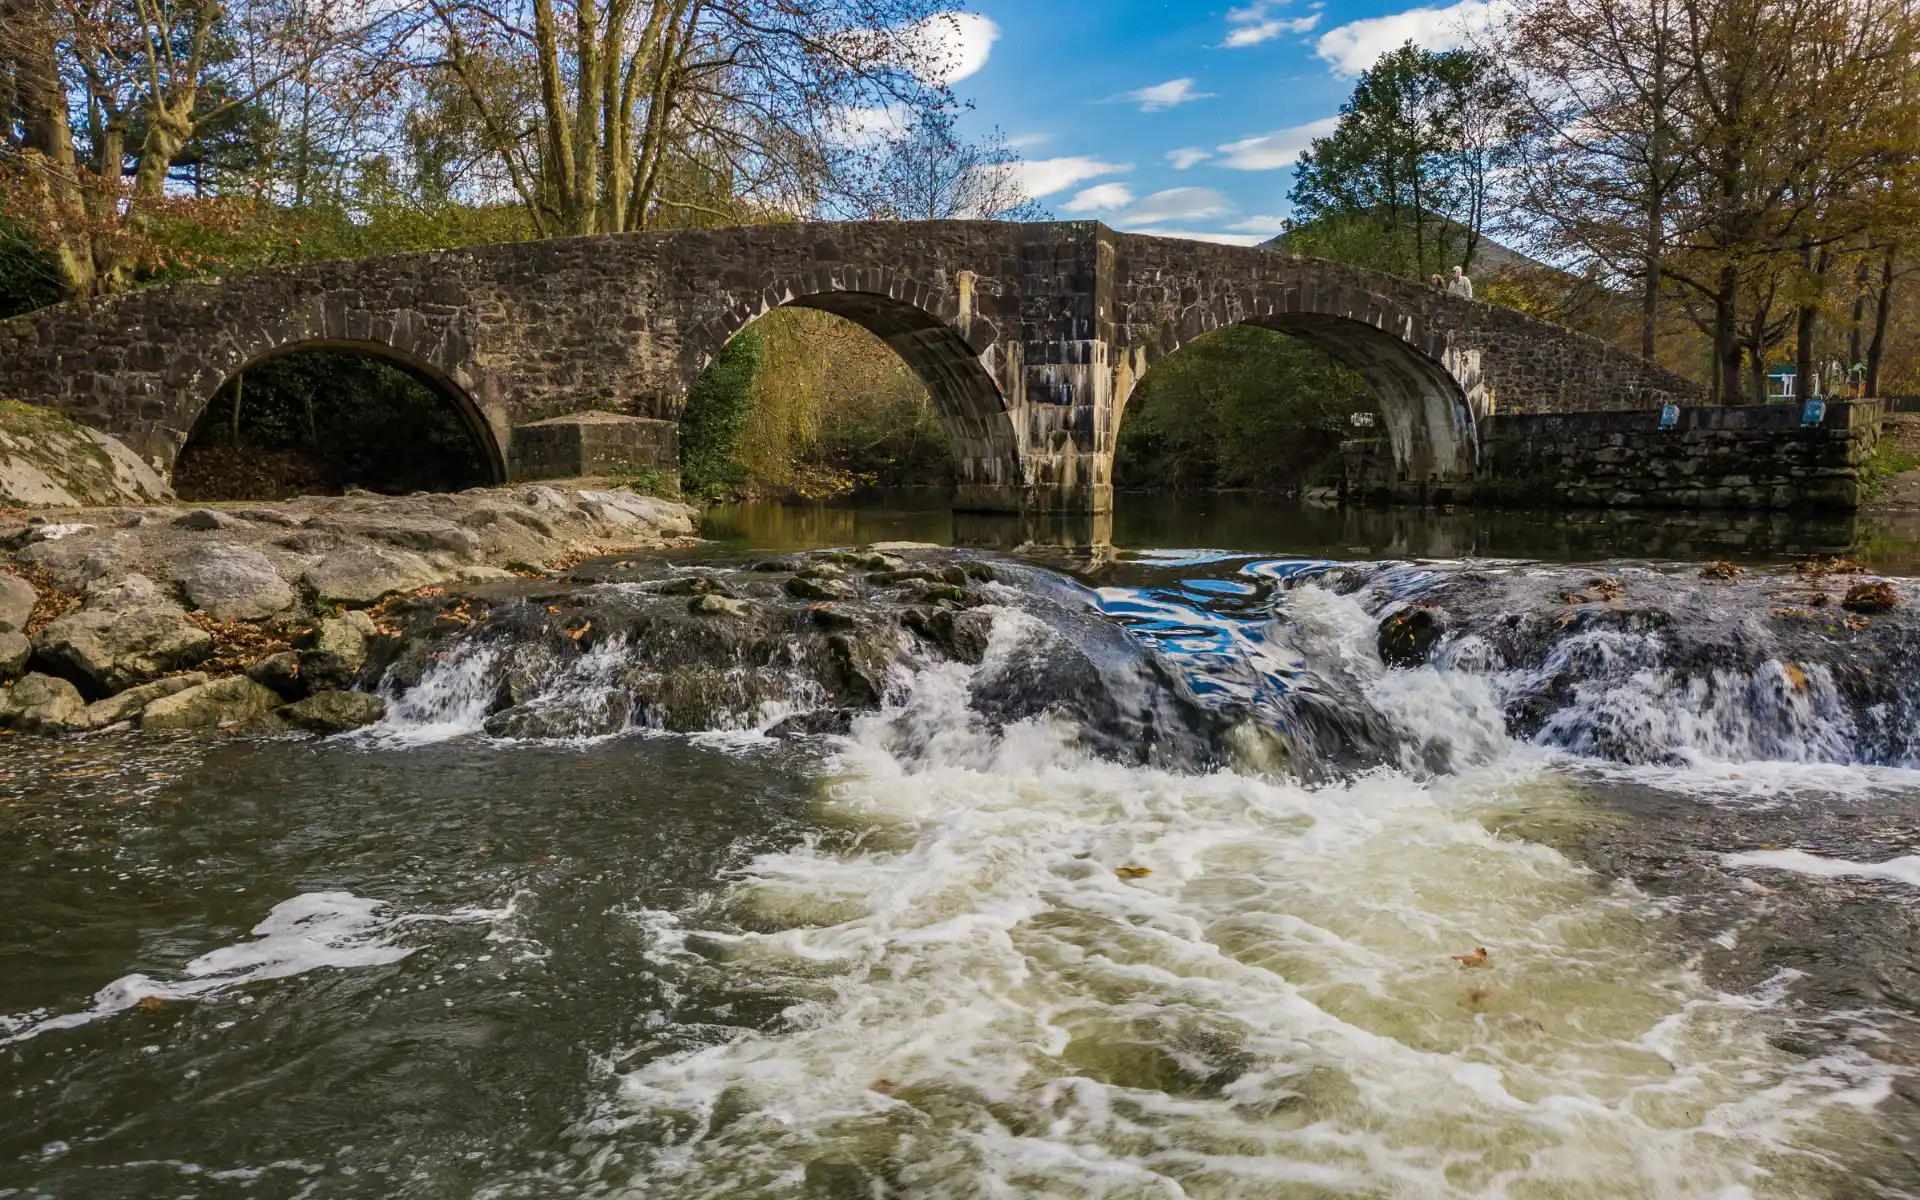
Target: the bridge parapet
(1031, 338)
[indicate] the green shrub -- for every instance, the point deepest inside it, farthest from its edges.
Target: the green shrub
(714, 424)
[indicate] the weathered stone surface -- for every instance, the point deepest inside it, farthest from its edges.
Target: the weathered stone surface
(48, 461)
(233, 583)
(336, 651)
(43, 704)
(1029, 336)
(15, 650)
(363, 574)
(129, 704)
(125, 634)
(1758, 456)
(281, 672)
(221, 703)
(804, 588)
(206, 519)
(715, 605)
(335, 712)
(17, 599)
(595, 443)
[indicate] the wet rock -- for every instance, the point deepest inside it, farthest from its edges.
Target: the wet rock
(17, 599)
(833, 616)
(43, 704)
(281, 672)
(805, 587)
(823, 721)
(124, 635)
(894, 578)
(565, 717)
(962, 636)
(776, 566)
(332, 653)
(130, 703)
(823, 570)
(714, 604)
(222, 703)
(15, 650)
(1876, 597)
(1407, 636)
(694, 585)
(233, 583)
(335, 712)
(359, 575)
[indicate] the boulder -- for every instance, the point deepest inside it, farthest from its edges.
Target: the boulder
(335, 712)
(805, 588)
(43, 704)
(15, 650)
(130, 703)
(225, 702)
(1407, 637)
(48, 461)
(233, 583)
(359, 575)
(205, 519)
(281, 672)
(335, 651)
(715, 605)
(17, 599)
(124, 635)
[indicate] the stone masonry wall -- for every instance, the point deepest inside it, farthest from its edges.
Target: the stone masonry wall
(1752, 457)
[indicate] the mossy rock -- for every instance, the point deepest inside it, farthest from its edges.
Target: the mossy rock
(48, 461)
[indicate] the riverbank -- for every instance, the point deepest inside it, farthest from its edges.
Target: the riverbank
(234, 616)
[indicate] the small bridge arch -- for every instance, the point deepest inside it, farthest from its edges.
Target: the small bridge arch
(928, 326)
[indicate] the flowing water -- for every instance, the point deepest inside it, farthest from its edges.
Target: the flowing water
(1173, 887)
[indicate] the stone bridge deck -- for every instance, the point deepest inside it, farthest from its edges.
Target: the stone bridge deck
(1031, 338)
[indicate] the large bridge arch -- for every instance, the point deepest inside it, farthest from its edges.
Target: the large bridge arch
(928, 327)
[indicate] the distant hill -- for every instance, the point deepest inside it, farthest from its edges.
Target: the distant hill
(1490, 258)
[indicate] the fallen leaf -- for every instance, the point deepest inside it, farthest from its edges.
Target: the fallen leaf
(1477, 959)
(1133, 872)
(1796, 677)
(883, 1086)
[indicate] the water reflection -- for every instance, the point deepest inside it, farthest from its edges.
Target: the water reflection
(1155, 521)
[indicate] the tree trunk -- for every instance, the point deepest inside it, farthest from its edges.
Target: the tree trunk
(48, 141)
(1726, 337)
(1856, 335)
(1882, 313)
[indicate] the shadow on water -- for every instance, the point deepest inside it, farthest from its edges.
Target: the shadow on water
(1256, 525)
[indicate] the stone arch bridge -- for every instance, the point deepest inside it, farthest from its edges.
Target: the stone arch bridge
(1030, 337)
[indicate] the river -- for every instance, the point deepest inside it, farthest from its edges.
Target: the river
(1182, 890)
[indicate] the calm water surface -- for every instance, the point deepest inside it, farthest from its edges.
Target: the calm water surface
(942, 959)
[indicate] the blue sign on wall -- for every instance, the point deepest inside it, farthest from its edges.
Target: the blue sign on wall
(1814, 412)
(1669, 416)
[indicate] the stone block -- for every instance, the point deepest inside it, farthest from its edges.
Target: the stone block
(594, 443)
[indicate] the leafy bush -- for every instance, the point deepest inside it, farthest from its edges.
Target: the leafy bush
(714, 425)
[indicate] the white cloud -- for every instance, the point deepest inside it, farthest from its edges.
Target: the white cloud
(1272, 151)
(1026, 141)
(1256, 23)
(1105, 197)
(1253, 35)
(952, 45)
(1044, 177)
(1224, 239)
(1266, 227)
(1170, 94)
(1178, 204)
(1357, 45)
(868, 127)
(1187, 156)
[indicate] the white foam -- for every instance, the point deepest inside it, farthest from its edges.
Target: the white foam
(1900, 870)
(312, 931)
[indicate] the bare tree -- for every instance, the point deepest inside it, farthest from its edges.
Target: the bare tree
(930, 172)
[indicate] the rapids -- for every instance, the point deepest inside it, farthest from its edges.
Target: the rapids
(1181, 875)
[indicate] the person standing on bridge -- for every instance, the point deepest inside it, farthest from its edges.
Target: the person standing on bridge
(1460, 285)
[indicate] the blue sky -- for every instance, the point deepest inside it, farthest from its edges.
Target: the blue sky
(1176, 118)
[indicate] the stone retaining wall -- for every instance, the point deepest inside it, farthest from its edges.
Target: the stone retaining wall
(1748, 457)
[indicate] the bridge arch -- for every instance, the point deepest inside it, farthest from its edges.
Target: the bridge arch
(931, 330)
(444, 384)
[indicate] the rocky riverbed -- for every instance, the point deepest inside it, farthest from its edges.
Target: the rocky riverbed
(259, 617)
